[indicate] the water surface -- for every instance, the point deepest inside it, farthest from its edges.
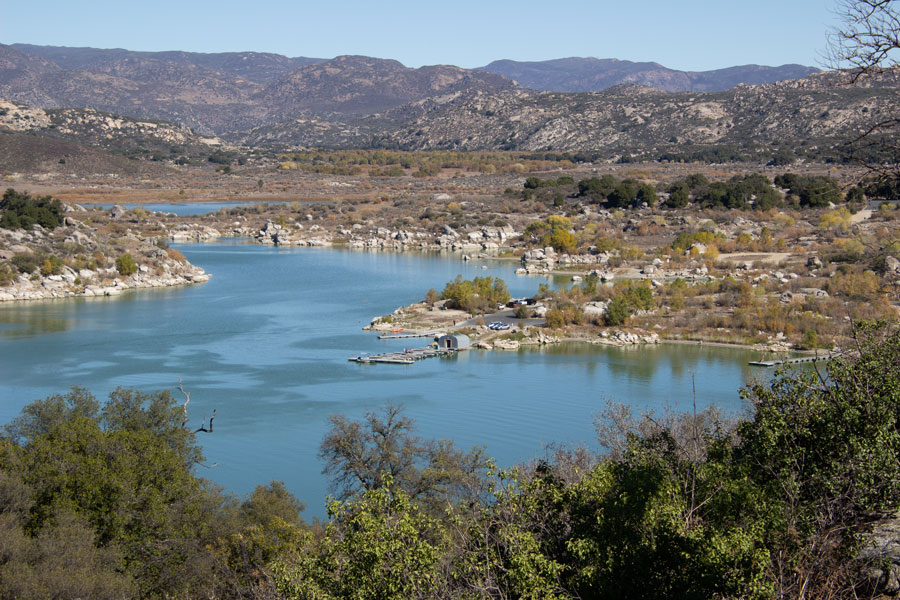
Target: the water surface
(179, 208)
(266, 341)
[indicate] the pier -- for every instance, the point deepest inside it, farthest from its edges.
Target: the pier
(405, 336)
(792, 361)
(406, 357)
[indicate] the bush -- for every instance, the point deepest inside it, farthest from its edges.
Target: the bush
(52, 265)
(555, 319)
(125, 265)
(617, 312)
(26, 262)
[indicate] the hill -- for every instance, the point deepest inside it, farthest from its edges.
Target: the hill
(593, 75)
(218, 93)
(807, 116)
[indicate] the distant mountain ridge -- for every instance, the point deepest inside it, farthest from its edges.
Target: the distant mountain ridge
(113, 100)
(259, 67)
(576, 74)
(219, 93)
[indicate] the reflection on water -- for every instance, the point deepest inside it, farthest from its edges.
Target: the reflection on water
(266, 341)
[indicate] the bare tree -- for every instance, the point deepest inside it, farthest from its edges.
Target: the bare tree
(184, 408)
(869, 39)
(364, 455)
(866, 48)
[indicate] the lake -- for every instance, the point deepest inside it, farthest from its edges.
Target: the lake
(177, 208)
(266, 341)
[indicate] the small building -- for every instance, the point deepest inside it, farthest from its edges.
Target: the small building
(454, 341)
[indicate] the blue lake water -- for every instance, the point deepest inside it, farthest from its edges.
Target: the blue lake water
(181, 208)
(266, 341)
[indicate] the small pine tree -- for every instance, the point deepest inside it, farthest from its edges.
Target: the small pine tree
(125, 265)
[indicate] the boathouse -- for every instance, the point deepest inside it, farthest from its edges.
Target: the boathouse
(454, 341)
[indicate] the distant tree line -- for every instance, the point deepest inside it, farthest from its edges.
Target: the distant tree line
(742, 192)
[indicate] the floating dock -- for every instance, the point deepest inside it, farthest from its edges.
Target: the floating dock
(405, 336)
(791, 361)
(406, 357)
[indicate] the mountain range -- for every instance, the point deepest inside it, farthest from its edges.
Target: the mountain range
(612, 107)
(593, 75)
(227, 92)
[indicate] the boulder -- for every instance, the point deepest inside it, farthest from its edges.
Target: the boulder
(891, 264)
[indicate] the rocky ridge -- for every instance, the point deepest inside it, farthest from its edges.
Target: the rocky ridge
(589, 74)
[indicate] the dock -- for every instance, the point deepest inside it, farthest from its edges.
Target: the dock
(792, 361)
(406, 336)
(407, 357)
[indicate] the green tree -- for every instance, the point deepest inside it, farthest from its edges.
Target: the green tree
(622, 196)
(647, 193)
(824, 453)
(377, 546)
(125, 265)
(679, 195)
(20, 210)
(617, 312)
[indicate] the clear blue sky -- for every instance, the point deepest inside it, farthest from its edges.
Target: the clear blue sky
(681, 34)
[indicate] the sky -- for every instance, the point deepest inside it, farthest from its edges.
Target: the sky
(681, 34)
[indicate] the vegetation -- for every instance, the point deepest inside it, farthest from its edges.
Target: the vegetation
(99, 500)
(125, 265)
(477, 296)
(20, 210)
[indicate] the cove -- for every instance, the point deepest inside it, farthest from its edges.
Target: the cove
(266, 341)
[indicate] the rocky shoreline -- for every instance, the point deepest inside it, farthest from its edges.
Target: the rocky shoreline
(78, 259)
(65, 286)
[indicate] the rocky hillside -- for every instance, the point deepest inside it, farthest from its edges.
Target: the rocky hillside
(814, 112)
(362, 102)
(83, 141)
(238, 91)
(221, 93)
(593, 75)
(86, 256)
(360, 84)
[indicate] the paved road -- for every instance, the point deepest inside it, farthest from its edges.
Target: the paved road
(504, 316)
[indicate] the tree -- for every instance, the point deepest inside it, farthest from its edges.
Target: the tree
(867, 45)
(21, 210)
(823, 450)
(378, 545)
(679, 195)
(622, 196)
(647, 193)
(382, 451)
(617, 312)
(125, 265)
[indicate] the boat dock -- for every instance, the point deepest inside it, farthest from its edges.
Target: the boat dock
(407, 357)
(406, 336)
(791, 361)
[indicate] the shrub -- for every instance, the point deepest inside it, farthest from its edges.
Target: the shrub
(617, 312)
(555, 318)
(125, 265)
(52, 265)
(26, 262)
